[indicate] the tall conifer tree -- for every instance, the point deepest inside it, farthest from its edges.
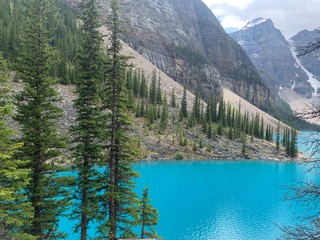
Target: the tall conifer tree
(88, 117)
(173, 99)
(278, 137)
(165, 114)
(148, 217)
(37, 114)
(184, 104)
(119, 201)
(153, 89)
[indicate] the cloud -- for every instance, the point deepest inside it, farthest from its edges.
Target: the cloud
(232, 22)
(242, 4)
(289, 16)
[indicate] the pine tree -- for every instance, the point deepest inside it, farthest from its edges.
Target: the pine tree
(158, 92)
(164, 115)
(87, 128)
(119, 202)
(37, 114)
(149, 217)
(153, 89)
(221, 111)
(244, 143)
(184, 104)
(173, 103)
(143, 87)
(209, 134)
(15, 210)
(293, 144)
(213, 107)
(278, 137)
(261, 131)
(137, 86)
(256, 126)
(196, 111)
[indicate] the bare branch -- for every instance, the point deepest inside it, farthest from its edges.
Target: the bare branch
(310, 111)
(313, 46)
(302, 232)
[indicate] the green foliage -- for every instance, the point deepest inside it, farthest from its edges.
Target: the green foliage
(244, 143)
(37, 114)
(149, 217)
(184, 104)
(196, 111)
(293, 152)
(221, 117)
(180, 156)
(15, 209)
(173, 103)
(278, 137)
(164, 115)
(118, 202)
(87, 128)
(153, 89)
(158, 92)
(64, 35)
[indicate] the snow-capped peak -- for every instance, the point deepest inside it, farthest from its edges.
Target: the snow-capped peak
(254, 22)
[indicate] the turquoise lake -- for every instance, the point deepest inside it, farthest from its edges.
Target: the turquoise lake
(221, 200)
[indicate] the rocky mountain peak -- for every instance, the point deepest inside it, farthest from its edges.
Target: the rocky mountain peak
(310, 61)
(256, 22)
(271, 54)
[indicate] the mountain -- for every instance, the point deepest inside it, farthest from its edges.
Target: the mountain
(309, 62)
(185, 40)
(273, 56)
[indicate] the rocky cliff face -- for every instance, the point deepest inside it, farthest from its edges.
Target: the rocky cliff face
(271, 54)
(311, 61)
(185, 40)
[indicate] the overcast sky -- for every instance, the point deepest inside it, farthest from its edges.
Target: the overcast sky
(290, 16)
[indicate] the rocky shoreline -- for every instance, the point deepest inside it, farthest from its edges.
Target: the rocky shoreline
(165, 146)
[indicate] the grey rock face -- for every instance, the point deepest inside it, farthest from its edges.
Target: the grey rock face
(271, 54)
(310, 61)
(185, 40)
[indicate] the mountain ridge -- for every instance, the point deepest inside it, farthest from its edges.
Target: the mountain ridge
(186, 41)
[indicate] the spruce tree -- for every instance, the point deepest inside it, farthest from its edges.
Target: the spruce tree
(143, 87)
(158, 92)
(184, 104)
(196, 111)
(149, 217)
(173, 103)
(261, 131)
(153, 89)
(164, 115)
(278, 137)
(37, 114)
(119, 202)
(15, 210)
(86, 130)
(293, 144)
(213, 107)
(221, 111)
(136, 85)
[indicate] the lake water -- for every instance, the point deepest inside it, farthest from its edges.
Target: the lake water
(221, 200)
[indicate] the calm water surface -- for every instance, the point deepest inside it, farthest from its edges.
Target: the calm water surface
(221, 200)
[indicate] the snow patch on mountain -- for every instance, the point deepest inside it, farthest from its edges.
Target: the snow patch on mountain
(312, 80)
(254, 22)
